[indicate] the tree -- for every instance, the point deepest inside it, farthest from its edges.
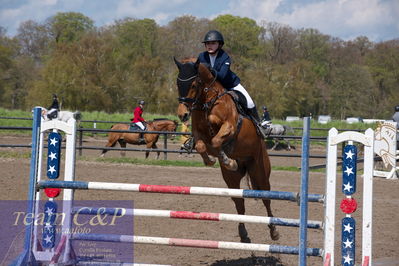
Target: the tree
(69, 26)
(280, 43)
(352, 92)
(314, 47)
(183, 36)
(241, 34)
(383, 65)
(34, 40)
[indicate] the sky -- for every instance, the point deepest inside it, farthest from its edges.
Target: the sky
(346, 19)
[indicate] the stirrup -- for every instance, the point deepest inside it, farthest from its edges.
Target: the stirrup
(188, 145)
(264, 133)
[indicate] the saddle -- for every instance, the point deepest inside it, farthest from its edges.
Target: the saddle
(134, 127)
(241, 103)
(52, 115)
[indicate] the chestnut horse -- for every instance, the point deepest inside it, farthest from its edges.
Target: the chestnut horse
(134, 138)
(220, 131)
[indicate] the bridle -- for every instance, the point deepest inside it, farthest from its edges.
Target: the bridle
(195, 101)
(186, 100)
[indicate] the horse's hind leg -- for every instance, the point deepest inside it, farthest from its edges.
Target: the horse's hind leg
(122, 143)
(275, 144)
(233, 179)
(111, 143)
(152, 146)
(288, 146)
(259, 175)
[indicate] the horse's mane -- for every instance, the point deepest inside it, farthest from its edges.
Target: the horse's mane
(189, 60)
(163, 119)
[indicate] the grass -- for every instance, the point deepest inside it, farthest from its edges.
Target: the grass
(94, 117)
(137, 161)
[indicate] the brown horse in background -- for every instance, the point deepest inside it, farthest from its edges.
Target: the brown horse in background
(134, 138)
(220, 131)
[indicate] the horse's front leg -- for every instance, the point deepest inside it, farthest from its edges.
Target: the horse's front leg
(226, 131)
(230, 164)
(154, 146)
(122, 143)
(201, 149)
(149, 145)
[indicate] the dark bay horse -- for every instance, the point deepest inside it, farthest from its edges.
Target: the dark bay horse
(134, 138)
(220, 131)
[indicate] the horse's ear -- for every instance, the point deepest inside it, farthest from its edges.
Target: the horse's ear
(178, 64)
(196, 65)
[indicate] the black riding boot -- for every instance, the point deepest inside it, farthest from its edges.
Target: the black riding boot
(141, 138)
(188, 145)
(255, 117)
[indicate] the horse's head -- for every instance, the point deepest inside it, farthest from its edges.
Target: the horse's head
(44, 112)
(171, 125)
(187, 81)
(164, 125)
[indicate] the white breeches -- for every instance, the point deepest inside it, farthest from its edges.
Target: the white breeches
(250, 102)
(140, 124)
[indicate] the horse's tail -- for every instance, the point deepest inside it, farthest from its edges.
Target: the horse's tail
(77, 115)
(264, 164)
(176, 123)
(288, 129)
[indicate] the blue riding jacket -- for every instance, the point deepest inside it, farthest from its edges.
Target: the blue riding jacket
(222, 68)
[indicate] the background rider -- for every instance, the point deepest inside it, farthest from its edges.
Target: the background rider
(138, 118)
(54, 108)
(266, 120)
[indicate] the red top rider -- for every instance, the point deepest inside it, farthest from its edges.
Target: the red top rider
(138, 112)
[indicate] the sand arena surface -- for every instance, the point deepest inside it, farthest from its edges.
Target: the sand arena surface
(14, 186)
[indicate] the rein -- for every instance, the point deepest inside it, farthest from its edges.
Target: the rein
(188, 79)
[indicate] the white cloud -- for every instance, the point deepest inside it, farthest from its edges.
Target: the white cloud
(159, 10)
(345, 18)
(49, 2)
(256, 9)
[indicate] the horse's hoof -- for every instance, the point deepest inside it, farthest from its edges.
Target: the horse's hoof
(242, 231)
(210, 161)
(245, 240)
(274, 234)
(232, 165)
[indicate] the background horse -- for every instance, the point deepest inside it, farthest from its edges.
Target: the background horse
(220, 131)
(62, 115)
(134, 138)
(280, 130)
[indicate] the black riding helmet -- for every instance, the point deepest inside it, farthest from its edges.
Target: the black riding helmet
(397, 108)
(213, 36)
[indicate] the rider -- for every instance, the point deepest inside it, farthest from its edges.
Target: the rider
(138, 119)
(220, 62)
(266, 120)
(54, 108)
